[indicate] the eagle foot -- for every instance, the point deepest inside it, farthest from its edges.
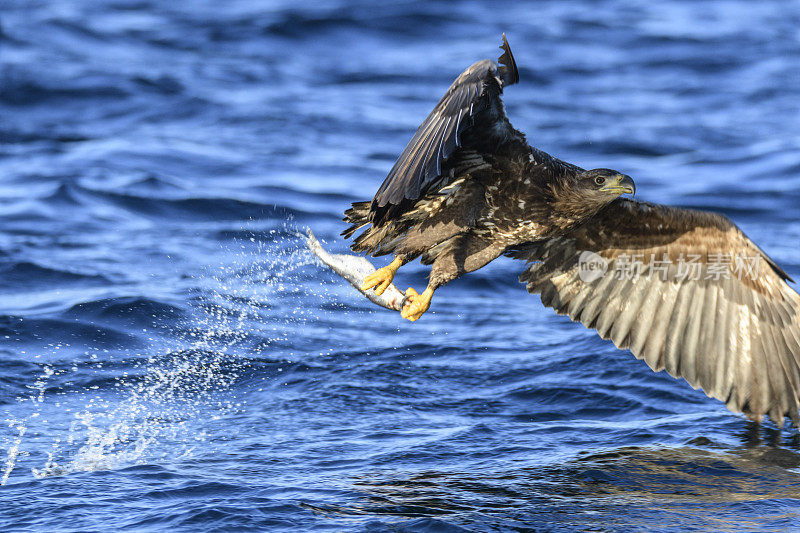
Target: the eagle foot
(381, 278)
(416, 304)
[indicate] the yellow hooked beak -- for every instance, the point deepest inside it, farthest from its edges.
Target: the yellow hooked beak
(620, 184)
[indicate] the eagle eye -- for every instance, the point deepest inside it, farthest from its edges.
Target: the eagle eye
(599, 180)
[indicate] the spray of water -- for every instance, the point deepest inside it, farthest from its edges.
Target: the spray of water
(153, 407)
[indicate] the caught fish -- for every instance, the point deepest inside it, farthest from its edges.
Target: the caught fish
(354, 269)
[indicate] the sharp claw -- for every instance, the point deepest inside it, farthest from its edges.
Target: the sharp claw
(415, 304)
(380, 279)
(382, 287)
(369, 282)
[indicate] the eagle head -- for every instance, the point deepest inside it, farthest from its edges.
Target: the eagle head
(583, 194)
(605, 184)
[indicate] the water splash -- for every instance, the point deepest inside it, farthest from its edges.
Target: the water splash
(13, 450)
(151, 412)
(20, 426)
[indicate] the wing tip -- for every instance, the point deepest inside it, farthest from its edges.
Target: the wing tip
(508, 71)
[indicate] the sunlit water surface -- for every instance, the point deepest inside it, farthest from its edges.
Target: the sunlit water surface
(171, 357)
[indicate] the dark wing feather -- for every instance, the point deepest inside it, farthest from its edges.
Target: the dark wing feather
(734, 331)
(472, 101)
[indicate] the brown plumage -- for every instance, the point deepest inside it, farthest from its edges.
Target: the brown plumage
(468, 188)
(729, 325)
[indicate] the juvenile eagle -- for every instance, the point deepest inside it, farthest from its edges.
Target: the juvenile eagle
(684, 290)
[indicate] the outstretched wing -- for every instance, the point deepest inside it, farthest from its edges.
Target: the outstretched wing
(474, 95)
(687, 292)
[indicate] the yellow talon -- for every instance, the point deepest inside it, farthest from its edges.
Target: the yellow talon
(416, 304)
(381, 278)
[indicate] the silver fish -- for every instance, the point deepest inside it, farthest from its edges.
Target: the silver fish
(354, 269)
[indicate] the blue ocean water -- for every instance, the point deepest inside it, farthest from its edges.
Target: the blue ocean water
(172, 357)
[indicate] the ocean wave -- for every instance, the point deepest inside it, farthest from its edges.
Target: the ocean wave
(24, 275)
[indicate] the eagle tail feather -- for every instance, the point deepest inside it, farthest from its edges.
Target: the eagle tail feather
(358, 216)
